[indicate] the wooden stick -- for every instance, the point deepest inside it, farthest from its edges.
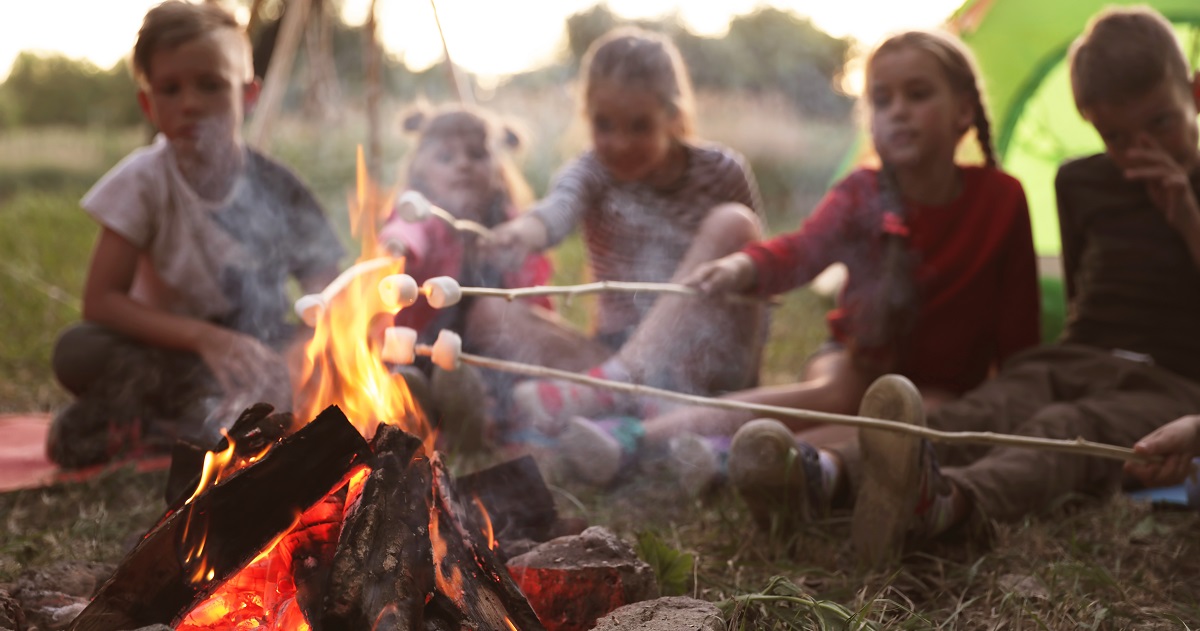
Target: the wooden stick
(462, 88)
(462, 225)
(598, 287)
(1077, 446)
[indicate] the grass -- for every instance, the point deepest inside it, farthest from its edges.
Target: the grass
(1110, 565)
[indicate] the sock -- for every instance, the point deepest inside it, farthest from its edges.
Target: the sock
(560, 399)
(831, 473)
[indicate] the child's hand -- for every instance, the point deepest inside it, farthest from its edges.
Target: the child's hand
(240, 362)
(733, 273)
(511, 243)
(1177, 442)
(1166, 181)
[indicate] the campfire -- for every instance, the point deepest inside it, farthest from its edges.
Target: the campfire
(350, 520)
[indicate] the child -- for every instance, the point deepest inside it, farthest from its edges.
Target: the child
(942, 276)
(185, 301)
(1129, 359)
(460, 164)
(653, 203)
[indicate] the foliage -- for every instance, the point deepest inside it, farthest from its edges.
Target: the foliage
(672, 568)
(57, 90)
(768, 50)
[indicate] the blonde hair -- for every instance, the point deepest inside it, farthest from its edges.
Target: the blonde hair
(177, 22)
(958, 63)
(1124, 53)
(475, 125)
(637, 58)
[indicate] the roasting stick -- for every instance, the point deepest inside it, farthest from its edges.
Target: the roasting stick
(444, 291)
(446, 352)
(414, 207)
(310, 307)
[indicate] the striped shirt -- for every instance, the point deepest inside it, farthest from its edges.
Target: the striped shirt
(634, 232)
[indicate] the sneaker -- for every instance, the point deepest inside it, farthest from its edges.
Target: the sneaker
(779, 477)
(596, 452)
(698, 462)
(547, 404)
(902, 494)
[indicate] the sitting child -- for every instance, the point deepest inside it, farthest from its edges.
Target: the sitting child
(460, 163)
(185, 305)
(653, 202)
(1129, 359)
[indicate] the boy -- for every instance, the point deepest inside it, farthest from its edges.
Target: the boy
(1128, 362)
(185, 300)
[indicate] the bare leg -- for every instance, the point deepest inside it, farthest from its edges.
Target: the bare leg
(832, 384)
(517, 331)
(701, 344)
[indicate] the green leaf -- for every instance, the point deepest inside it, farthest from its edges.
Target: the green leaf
(672, 568)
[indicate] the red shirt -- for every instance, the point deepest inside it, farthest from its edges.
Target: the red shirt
(976, 272)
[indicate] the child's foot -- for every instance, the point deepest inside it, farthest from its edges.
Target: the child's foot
(547, 403)
(597, 451)
(784, 481)
(902, 493)
(698, 462)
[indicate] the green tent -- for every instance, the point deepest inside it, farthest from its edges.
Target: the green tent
(1021, 47)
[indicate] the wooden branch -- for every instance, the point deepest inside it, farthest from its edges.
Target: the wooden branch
(275, 84)
(462, 89)
(461, 225)
(1078, 446)
(604, 286)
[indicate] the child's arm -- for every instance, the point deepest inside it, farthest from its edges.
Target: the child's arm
(1170, 190)
(513, 241)
(1177, 442)
(234, 358)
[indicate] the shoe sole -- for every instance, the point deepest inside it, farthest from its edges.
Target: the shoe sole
(580, 443)
(888, 491)
(763, 467)
(694, 464)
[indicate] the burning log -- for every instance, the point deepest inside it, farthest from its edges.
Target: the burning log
(382, 570)
(468, 571)
(231, 523)
(518, 505)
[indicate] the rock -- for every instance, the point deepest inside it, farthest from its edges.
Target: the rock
(12, 618)
(672, 613)
(572, 581)
(52, 597)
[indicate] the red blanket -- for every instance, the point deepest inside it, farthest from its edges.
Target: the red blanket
(23, 462)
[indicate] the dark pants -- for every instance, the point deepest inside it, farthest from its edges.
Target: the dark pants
(1059, 391)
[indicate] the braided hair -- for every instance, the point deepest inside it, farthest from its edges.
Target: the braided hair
(889, 314)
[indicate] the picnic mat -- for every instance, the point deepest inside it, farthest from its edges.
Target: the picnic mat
(23, 462)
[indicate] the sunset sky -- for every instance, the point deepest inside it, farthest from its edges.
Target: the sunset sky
(489, 38)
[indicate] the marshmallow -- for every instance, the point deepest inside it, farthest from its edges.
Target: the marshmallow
(447, 350)
(398, 291)
(442, 291)
(399, 345)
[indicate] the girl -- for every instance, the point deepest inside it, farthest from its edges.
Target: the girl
(460, 164)
(653, 203)
(942, 283)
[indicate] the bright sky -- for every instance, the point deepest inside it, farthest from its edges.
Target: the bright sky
(487, 37)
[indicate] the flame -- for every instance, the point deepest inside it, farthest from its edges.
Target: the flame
(511, 626)
(449, 584)
(343, 364)
(487, 524)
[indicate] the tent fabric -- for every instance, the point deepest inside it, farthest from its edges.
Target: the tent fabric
(1021, 48)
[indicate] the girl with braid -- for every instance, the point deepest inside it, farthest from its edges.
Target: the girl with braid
(942, 282)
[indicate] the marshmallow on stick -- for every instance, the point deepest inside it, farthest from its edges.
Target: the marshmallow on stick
(444, 291)
(400, 347)
(447, 353)
(414, 207)
(310, 307)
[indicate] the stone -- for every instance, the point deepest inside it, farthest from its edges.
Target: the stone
(671, 613)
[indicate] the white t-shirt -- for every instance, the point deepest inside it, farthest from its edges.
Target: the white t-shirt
(226, 261)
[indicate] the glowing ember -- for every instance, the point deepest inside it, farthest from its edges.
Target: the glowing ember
(487, 524)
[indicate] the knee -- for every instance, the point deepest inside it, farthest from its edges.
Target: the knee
(732, 225)
(1057, 420)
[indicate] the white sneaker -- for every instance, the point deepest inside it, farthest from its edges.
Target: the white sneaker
(694, 462)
